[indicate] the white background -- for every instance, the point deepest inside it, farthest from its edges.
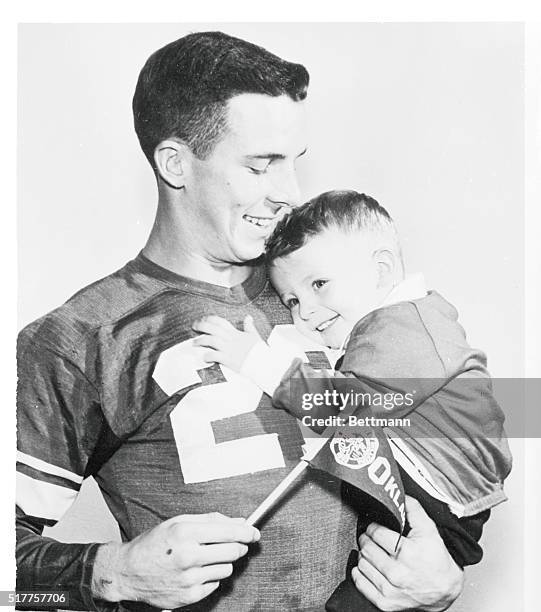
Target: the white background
(427, 118)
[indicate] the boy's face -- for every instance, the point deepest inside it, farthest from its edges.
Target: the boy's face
(329, 284)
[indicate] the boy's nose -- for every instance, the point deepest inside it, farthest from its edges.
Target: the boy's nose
(306, 310)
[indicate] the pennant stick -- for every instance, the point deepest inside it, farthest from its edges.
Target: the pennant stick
(275, 495)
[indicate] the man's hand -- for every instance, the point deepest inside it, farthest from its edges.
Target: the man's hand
(421, 575)
(176, 563)
(227, 345)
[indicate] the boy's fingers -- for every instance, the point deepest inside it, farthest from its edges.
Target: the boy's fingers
(207, 327)
(209, 319)
(209, 354)
(212, 357)
(216, 319)
(210, 341)
(249, 324)
(217, 322)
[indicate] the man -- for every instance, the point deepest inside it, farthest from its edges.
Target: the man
(111, 386)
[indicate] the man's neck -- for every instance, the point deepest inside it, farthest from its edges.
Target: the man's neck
(170, 248)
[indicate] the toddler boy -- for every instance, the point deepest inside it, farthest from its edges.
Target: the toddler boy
(336, 263)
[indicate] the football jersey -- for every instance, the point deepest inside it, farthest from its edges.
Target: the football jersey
(111, 386)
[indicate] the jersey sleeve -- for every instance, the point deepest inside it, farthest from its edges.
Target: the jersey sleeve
(59, 424)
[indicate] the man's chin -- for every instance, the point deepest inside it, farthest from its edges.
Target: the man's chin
(256, 261)
(250, 257)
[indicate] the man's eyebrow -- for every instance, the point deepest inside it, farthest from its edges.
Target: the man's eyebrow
(272, 156)
(269, 156)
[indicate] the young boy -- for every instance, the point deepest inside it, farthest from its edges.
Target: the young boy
(336, 263)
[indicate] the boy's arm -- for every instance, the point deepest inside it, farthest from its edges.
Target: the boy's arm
(392, 364)
(298, 387)
(369, 367)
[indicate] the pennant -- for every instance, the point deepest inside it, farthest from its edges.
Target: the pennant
(362, 456)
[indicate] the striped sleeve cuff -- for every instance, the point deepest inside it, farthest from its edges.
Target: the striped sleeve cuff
(44, 490)
(265, 366)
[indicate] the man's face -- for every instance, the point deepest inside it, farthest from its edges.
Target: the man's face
(329, 284)
(248, 182)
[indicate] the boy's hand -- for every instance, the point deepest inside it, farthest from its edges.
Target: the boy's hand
(227, 345)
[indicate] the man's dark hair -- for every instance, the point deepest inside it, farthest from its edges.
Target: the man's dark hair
(183, 88)
(347, 211)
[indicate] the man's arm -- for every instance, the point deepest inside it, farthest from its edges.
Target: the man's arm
(45, 564)
(60, 440)
(174, 564)
(59, 421)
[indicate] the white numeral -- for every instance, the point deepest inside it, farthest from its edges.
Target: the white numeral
(201, 458)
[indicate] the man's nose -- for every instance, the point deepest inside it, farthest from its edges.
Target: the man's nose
(285, 191)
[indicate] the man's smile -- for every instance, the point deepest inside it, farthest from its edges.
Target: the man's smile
(259, 221)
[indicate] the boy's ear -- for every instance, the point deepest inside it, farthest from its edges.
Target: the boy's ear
(171, 159)
(386, 263)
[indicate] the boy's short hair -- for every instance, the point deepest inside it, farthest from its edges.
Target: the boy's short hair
(348, 211)
(183, 88)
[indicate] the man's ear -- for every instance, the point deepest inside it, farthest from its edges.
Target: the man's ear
(386, 262)
(171, 160)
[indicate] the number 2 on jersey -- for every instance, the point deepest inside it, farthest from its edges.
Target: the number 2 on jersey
(201, 458)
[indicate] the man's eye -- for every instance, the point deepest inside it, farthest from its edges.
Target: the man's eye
(259, 170)
(317, 284)
(291, 303)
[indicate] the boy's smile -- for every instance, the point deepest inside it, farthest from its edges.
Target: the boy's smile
(326, 324)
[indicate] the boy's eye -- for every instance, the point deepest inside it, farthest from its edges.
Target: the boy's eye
(292, 302)
(317, 284)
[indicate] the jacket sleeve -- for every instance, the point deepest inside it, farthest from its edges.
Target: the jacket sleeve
(59, 424)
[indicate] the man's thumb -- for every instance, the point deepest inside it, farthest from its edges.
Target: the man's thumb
(418, 519)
